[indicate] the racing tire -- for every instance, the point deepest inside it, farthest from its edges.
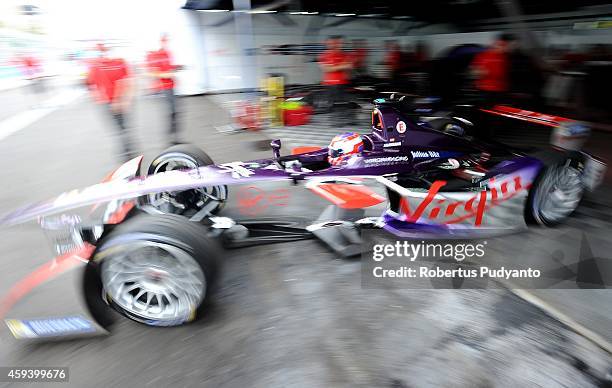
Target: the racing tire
(158, 270)
(185, 202)
(557, 191)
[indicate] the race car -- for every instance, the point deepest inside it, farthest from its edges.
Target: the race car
(154, 252)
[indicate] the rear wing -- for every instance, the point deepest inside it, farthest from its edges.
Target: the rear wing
(567, 133)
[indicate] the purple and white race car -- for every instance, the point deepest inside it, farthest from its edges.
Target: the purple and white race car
(153, 253)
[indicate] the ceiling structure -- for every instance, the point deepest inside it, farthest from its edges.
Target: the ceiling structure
(464, 15)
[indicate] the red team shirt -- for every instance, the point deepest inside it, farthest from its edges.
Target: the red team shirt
(494, 68)
(161, 61)
(334, 58)
(104, 75)
(393, 60)
(31, 67)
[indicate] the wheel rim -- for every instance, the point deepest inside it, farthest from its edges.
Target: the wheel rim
(560, 193)
(153, 281)
(178, 202)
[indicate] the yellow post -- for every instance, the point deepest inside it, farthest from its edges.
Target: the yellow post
(275, 89)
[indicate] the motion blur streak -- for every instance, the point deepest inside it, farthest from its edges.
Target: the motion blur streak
(458, 93)
(44, 273)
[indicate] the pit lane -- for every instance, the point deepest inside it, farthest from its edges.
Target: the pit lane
(293, 314)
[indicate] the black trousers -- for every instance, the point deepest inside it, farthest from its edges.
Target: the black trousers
(170, 101)
(122, 132)
(340, 104)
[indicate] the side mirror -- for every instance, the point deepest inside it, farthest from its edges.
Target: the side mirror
(276, 146)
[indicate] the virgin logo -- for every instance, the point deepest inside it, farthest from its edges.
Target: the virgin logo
(253, 200)
(448, 211)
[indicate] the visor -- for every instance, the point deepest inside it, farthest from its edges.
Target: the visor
(334, 153)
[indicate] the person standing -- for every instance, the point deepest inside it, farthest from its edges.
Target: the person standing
(162, 70)
(335, 65)
(32, 70)
(360, 57)
(491, 69)
(111, 86)
(393, 60)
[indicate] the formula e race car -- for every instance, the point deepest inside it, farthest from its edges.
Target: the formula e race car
(153, 253)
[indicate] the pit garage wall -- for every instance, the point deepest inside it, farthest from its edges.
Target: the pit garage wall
(210, 46)
(225, 58)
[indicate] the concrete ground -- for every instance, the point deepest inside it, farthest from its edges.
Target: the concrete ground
(288, 314)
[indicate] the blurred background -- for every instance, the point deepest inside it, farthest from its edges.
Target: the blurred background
(86, 85)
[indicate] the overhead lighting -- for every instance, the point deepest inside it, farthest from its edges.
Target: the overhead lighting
(259, 11)
(371, 15)
(402, 17)
(345, 14)
(213, 10)
(303, 13)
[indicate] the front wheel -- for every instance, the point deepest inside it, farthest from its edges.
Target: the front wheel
(157, 270)
(556, 193)
(188, 202)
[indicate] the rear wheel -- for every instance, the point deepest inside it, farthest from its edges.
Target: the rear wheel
(188, 202)
(556, 193)
(157, 270)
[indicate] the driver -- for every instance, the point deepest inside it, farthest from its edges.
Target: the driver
(343, 147)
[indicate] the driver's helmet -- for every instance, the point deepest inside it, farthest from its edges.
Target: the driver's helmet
(343, 147)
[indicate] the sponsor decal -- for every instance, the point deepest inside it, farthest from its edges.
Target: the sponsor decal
(388, 160)
(446, 211)
(49, 327)
(273, 167)
(527, 115)
(237, 169)
(400, 126)
(253, 201)
(394, 144)
(425, 154)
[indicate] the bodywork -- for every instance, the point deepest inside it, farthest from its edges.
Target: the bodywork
(429, 183)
